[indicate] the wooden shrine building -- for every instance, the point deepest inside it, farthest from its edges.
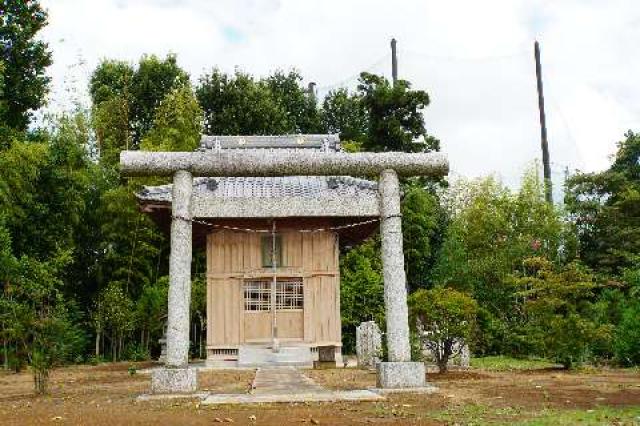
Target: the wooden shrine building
(272, 244)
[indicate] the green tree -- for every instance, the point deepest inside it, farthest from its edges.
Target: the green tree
(35, 315)
(119, 316)
(131, 243)
(444, 319)
(177, 125)
(491, 231)
(119, 90)
(605, 208)
(345, 114)
(112, 129)
(626, 337)
(25, 61)
(302, 113)
(110, 90)
(111, 79)
(239, 104)
(152, 81)
(151, 310)
(395, 120)
(421, 229)
(558, 307)
(42, 186)
(198, 312)
(4, 130)
(361, 290)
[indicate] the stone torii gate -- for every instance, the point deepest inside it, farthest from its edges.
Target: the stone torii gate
(399, 372)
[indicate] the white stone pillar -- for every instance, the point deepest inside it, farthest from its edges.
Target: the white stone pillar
(395, 288)
(180, 272)
(398, 372)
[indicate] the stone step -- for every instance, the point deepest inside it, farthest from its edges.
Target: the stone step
(260, 356)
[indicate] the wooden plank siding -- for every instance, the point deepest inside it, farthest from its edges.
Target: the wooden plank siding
(233, 256)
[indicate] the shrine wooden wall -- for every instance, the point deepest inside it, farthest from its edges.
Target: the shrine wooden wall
(234, 256)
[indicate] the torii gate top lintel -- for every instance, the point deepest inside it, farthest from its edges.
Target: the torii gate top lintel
(281, 163)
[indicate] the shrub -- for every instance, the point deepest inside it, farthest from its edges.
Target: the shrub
(136, 352)
(558, 308)
(626, 344)
(444, 319)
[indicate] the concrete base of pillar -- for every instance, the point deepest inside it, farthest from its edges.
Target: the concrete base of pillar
(174, 380)
(401, 375)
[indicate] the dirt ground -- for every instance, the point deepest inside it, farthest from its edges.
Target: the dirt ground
(106, 394)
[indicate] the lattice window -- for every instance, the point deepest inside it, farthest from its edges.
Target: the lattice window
(257, 295)
(289, 294)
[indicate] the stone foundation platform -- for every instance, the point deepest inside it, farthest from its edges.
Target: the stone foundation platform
(174, 380)
(401, 375)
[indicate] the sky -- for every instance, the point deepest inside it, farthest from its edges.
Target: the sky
(474, 58)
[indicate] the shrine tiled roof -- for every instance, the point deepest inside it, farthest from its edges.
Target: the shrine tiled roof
(269, 187)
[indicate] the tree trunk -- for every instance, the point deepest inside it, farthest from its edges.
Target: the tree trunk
(200, 341)
(97, 343)
(40, 380)
(120, 340)
(6, 354)
(443, 357)
(442, 364)
(194, 334)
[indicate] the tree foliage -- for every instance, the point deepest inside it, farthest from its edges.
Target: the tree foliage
(605, 208)
(345, 114)
(490, 231)
(395, 120)
(422, 220)
(125, 97)
(239, 104)
(444, 319)
(153, 80)
(361, 290)
(25, 60)
(558, 307)
(626, 337)
(177, 125)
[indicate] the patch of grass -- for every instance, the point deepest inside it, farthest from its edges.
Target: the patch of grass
(505, 363)
(467, 414)
(479, 414)
(596, 416)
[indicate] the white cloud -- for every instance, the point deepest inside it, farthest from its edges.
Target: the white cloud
(474, 58)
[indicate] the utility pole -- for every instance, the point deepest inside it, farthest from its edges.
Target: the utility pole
(311, 89)
(394, 61)
(546, 166)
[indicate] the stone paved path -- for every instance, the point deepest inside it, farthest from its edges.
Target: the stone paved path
(288, 384)
(285, 380)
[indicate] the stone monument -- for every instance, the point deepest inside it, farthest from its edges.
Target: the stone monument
(368, 344)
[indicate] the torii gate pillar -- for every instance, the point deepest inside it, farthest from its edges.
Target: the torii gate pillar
(177, 377)
(399, 371)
